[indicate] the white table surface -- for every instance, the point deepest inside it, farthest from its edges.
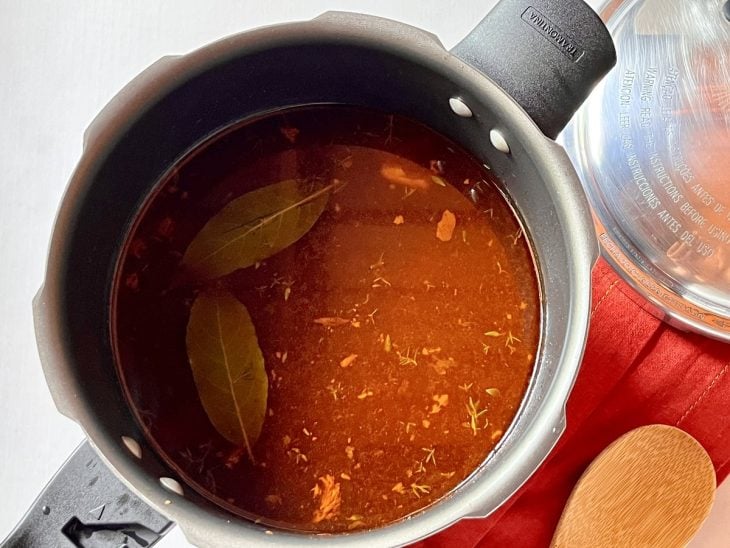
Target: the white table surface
(60, 62)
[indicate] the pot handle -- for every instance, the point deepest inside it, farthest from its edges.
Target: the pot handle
(547, 54)
(86, 506)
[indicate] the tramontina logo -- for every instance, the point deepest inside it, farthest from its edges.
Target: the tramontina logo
(552, 32)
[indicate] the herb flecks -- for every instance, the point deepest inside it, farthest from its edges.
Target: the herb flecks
(389, 132)
(473, 414)
(426, 351)
(442, 400)
(356, 523)
(234, 458)
(419, 490)
(430, 454)
(408, 359)
(346, 162)
(437, 167)
(335, 390)
(329, 499)
(332, 322)
(407, 426)
(381, 282)
(371, 316)
(296, 455)
(408, 193)
(396, 174)
(441, 366)
(348, 361)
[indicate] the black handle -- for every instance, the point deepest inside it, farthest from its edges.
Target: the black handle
(86, 506)
(547, 54)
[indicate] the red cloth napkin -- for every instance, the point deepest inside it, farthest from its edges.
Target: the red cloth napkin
(637, 370)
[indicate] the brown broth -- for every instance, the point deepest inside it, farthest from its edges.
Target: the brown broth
(444, 332)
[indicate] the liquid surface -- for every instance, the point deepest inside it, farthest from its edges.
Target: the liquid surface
(397, 334)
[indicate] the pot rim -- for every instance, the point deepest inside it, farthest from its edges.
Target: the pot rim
(203, 525)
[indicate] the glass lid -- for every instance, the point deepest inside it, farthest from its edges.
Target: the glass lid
(652, 147)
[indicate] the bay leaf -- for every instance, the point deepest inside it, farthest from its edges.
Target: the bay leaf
(255, 226)
(228, 367)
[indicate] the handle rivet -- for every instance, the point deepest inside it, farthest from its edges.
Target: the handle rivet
(498, 141)
(460, 108)
(46, 510)
(172, 485)
(133, 446)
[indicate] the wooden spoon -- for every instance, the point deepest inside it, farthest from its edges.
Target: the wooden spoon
(652, 487)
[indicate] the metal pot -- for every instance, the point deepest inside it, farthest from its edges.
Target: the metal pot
(503, 93)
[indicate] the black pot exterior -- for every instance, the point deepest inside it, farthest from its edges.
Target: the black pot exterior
(337, 58)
